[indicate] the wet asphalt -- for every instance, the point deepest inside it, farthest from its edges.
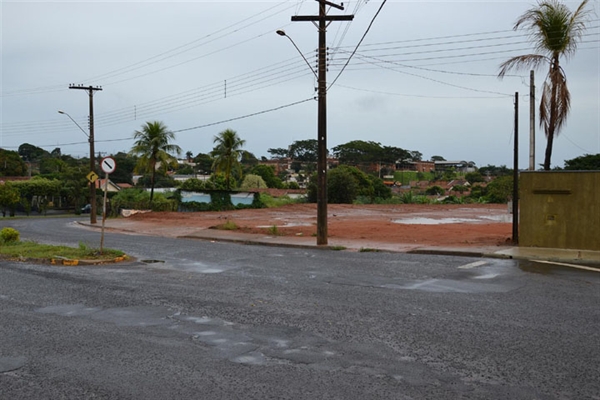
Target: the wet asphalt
(208, 320)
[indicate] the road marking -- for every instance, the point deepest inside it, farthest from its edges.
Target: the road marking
(473, 265)
(567, 265)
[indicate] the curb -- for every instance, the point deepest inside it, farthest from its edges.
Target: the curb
(66, 262)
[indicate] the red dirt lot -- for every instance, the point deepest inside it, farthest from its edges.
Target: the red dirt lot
(453, 225)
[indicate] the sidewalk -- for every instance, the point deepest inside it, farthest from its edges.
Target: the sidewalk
(558, 256)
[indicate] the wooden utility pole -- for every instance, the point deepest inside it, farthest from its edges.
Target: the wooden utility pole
(91, 90)
(515, 200)
(531, 122)
(322, 19)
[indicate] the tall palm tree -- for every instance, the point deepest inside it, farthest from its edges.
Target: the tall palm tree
(227, 154)
(152, 146)
(555, 31)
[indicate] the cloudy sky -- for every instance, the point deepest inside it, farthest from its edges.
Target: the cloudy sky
(423, 79)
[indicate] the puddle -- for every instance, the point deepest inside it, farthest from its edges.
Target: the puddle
(506, 218)
(8, 364)
(286, 225)
(431, 221)
(550, 268)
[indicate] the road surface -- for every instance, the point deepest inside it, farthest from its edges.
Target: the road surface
(200, 320)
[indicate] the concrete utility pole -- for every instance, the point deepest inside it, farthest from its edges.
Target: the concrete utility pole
(322, 19)
(91, 90)
(531, 122)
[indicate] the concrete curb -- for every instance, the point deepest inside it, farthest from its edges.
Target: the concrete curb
(66, 262)
(557, 256)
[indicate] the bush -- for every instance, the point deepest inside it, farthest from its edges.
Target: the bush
(9, 235)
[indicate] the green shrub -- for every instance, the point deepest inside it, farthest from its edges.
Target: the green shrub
(9, 235)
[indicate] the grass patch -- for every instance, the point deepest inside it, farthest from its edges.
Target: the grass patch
(368, 250)
(337, 248)
(271, 202)
(273, 230)
(32, 250)
(229, 225)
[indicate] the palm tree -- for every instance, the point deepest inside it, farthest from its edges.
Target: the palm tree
(227, 154)
(153, 149)
(555, 31)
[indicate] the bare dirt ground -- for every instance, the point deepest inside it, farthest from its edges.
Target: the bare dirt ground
(453, 225)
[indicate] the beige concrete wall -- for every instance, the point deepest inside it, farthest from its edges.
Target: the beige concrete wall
(560, 209)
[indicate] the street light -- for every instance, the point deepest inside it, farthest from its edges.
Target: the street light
(75, 122)
(92, 167)
(281, 32)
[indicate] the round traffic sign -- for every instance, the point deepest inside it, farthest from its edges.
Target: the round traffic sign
(108, 165)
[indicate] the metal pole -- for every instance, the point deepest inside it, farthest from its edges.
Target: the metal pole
(103, 213)
(531, 121)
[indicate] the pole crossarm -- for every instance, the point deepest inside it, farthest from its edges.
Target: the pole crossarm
(312, 18)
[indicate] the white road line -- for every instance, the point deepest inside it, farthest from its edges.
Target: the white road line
(567, 265)
(473, 265)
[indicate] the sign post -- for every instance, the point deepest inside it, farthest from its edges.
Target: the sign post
(108, 165)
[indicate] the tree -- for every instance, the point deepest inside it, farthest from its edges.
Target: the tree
(587, 162)
(473, 177)
(252, 181)
(11, 164)
(500, 190)
(555, 31)
(248, 160)
(125, 166)
(305, 150)
(278, 152)
(152, 146)
(9, 198)
(32, 153)
(267, 173)
(227, 154)
(437, 158)
(203, 163)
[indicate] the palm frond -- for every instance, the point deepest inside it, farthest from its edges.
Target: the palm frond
(555, 93)
(520, 62)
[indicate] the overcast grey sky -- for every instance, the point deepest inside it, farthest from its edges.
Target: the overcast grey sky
(424, 78)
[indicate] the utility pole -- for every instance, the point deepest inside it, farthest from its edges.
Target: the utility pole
(322, 19)
(531, 122)
(515, 200)
(91, 89)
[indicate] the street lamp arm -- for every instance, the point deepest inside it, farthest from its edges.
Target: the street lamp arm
(281, 32)
(82, 130)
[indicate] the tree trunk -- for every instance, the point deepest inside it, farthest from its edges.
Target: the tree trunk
(152, 182)
(553, 116)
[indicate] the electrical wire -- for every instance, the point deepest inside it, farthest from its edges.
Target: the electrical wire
(359, 42)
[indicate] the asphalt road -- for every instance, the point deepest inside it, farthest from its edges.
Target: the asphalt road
(203, 320)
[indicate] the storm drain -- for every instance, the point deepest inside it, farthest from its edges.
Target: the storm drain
(152, 261)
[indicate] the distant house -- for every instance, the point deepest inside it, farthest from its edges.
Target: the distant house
(112, 187)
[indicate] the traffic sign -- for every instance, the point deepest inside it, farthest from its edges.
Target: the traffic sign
(108, 165)
(92, 177)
